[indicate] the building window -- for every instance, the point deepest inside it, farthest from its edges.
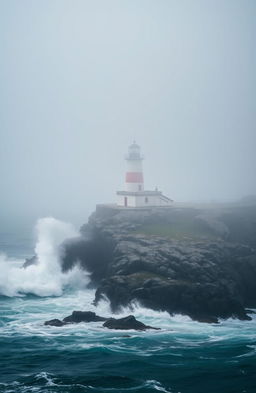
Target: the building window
(139, 187)
(146, 200)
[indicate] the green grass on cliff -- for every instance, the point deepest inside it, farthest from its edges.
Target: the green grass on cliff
(177, 230)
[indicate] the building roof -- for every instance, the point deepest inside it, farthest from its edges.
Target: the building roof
(139, 193)
(134, 145)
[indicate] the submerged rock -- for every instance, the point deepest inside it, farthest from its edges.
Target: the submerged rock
(127, 323)
(83, 316)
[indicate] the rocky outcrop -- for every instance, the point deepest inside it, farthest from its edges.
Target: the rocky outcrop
(76, 317)
(83, 316)
(55, 322)
(127, 323)
(206, 280)
(180, 260)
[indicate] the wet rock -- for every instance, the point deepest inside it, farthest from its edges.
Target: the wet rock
(127, 323)
(205, 319)
(171, 259)
(250, 311)
(83, 316)
(55, 322)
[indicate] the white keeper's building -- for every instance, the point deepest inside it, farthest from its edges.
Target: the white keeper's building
(134, 194)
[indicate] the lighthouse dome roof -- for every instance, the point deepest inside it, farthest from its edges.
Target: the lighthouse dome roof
(134, 152)
(134, 145)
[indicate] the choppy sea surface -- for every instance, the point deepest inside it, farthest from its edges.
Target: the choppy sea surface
(184, 356)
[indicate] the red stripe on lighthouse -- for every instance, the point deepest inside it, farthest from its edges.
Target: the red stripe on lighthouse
(134, 177)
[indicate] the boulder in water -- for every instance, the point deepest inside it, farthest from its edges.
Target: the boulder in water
(55, 322)
(83, 316)
(126, 323)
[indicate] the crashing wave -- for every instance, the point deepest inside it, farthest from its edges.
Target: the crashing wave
(45, 278)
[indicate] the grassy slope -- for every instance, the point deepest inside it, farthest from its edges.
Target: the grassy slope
(183, 224)
(180, 229)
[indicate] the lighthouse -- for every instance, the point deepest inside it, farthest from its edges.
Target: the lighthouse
(134, 195)
(134, 180)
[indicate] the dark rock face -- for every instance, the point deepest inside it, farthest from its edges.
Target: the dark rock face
(83, 316)
(126, 323)
(76, 317)
(55, 322)
(187, 261)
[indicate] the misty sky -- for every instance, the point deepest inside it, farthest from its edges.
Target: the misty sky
(80, 79)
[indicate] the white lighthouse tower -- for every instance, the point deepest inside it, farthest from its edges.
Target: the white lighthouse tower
(134, 176)
(134, 194)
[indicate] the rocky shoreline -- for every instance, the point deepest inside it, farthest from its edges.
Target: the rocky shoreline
(196, 262)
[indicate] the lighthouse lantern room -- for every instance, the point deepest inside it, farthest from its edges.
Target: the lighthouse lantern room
(134, 194)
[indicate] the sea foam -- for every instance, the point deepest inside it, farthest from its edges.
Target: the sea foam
(46, 277)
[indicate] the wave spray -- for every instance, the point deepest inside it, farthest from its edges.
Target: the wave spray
(45, 278)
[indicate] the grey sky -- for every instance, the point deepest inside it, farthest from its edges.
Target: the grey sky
(79, 80)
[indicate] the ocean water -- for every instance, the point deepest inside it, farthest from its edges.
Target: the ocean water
(184, 356)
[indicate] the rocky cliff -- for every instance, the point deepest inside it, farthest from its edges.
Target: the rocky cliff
(198, 262)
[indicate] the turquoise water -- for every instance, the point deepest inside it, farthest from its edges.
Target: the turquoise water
(185, 356)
